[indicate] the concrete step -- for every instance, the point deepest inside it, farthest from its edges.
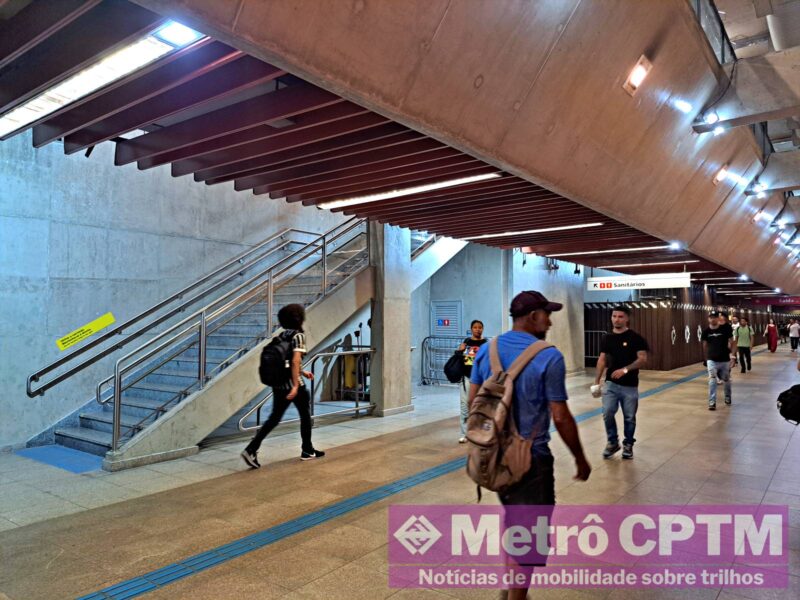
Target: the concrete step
(104, 421)
(84, 439)
(139, 406)
(155, 391)
(172, 376)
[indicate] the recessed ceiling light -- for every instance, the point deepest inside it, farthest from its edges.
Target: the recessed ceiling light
(419, 189)
(652, 264)
(683, 106)
(721, 174)
(612, 251)
(532, 231)
(637, 75)
(177, 35)
(711, 117)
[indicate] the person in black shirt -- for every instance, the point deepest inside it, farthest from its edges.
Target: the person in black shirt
(718, 343)
(622, 353)
(469, 347)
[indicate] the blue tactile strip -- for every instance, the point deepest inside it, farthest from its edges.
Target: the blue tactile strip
(68, 459)
(200, 562)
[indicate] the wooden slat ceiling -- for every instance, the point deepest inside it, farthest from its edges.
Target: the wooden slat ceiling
(219, 115)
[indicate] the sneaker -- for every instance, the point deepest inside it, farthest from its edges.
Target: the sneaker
(611, 450)
(311, 455)
(462, 440)
(627, 451)
(251, 460)
(712, 407)
(719, 381)
(727, 401)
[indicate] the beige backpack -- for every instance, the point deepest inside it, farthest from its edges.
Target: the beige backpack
(497, 456)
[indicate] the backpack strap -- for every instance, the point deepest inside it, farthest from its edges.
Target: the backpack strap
(494, 358)
(527, 356)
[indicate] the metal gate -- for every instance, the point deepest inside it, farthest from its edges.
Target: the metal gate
(436, 350)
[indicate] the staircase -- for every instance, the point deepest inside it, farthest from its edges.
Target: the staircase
(232, 310)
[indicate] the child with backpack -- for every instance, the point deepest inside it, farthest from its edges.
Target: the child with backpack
(281, 368)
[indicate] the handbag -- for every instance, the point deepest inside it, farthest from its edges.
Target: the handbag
(454, 367)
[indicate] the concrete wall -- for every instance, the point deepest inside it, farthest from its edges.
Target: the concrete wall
(475, 276)
(564, 286)
(485, 280)
(420, 326)
(81, 237)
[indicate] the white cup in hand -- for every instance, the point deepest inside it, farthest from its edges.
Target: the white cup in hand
(597, 390)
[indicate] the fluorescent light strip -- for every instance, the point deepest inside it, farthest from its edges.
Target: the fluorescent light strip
(131, 58)
(532, 231)
(654, 264)
(644, 249)
(419, 189)
(718, 279)
(727, 284)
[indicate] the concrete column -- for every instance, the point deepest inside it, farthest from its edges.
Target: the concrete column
(390, 373)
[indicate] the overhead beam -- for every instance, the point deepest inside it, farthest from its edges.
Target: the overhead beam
(186, 65)
(317, 125)
(398, 182)
(547, 250)
(764, 88)
(280, 104)
(242, 74)
(112, 24)
(413, 152)
(300, 192)
(381, 136)
(782, 173)
(35, 23)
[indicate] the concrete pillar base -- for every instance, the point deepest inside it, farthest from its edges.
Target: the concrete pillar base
(396, 410)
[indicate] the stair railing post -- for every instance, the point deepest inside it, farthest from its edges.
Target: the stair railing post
(115, 429)
(324, 266)
(269, 305)
(201, 368)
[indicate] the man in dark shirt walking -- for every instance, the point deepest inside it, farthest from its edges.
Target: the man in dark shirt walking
(622, 353)
(718, 343)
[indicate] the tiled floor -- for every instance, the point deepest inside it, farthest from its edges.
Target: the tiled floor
(685, 454)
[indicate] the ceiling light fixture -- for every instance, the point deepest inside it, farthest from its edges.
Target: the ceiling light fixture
(134, 56)
(532, 231)
(711, 117)
(683, 106)
(777, 290)
(637, 75)
(653, 264)
(721, 174)
(743, 277)
(612, 251)
(718, 130)
(418, 189)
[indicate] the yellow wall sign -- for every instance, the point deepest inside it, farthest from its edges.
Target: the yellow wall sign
(84, 332)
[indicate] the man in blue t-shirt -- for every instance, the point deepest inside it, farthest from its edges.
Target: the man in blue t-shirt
(539, 391)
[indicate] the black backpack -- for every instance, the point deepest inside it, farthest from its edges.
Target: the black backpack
(789, 404)
(274, 367)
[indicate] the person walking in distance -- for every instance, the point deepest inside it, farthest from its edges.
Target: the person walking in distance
(622, 353)
(469, 347)
(539, 392)
(772, 336)
(735, 325)
(794, 334)
(718, 344)
(293, 391)
(744, 335)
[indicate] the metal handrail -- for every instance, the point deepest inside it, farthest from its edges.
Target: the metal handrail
(199, 320)
(118, 330)
(308, 363)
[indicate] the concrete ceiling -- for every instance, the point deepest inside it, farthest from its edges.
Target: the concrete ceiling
(535, 88)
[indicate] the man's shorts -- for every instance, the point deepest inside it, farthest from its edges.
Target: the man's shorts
(537, 487)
